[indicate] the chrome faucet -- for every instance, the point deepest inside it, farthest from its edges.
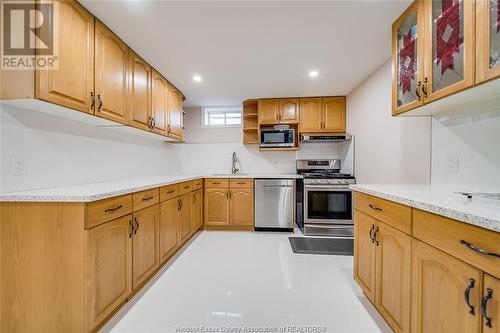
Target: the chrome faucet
(234, 169)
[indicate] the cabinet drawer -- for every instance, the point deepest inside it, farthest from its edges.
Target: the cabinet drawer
(146, 198)
(241, 182)
(216, 182)
(185, 187)
(169, 192)
(391, 213)
(197, 184)
(102, 211)
(457, 238)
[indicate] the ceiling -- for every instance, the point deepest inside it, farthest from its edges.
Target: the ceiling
(251, 49)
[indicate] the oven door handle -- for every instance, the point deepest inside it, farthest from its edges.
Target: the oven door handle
(327, 187)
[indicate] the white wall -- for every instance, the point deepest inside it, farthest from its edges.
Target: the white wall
(389, 150)
(473, 142)
(60, 152)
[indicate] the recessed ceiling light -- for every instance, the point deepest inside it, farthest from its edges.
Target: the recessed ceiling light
(197, 78)
(313, 73)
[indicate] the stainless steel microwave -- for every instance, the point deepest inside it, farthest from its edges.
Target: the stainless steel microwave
(270, 138)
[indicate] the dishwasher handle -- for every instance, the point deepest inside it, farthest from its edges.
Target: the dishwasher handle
(277, 186)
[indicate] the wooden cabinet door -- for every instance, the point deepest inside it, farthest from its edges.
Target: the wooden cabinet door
(111, 62)
(169, 217)
(139, 92)
(145, 244)
(175, 113)
(449, 47)
(487, 40)
(310, 115)
(159, 103)
(289, 111)
(333, 114)
(491, 302)
(364, 253)
(216, 206)
(108, 268)
(72, 83)
(241, 206)
(408, 59)
(439, 283)
(185, 216)
(268, 110)
(197, 210)
(393, 276)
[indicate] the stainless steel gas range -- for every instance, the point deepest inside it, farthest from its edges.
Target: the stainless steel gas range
(324, 200)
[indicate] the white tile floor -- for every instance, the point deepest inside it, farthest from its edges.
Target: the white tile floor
(232, 281)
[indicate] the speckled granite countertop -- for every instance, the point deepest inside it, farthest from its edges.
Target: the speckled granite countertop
(480, 211)
(98, 191)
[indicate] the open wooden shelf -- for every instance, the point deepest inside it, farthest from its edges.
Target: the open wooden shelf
(250, 122)
(250, 129)
(250, 115)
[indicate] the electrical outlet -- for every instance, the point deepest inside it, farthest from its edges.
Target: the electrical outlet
(453, 164)
(19, 166)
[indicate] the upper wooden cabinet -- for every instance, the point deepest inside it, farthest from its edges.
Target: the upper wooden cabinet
(322, 115)
(159, 103)
(333, 110)
(278, 111)
(72, 84)
(407, 59)
(487, 40)
(175, 113)
(288, 112)
(111, 69)
(449, 47)
(441, 47)
(311, 115)
(139, 92)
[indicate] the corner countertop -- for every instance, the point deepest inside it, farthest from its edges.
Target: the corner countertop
(103, 190)
(480, 211)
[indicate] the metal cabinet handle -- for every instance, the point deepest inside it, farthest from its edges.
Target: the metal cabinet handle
(99, 98)
(194, 199)
(171, 191)
(131, 229)
(424, 87)
(484, 304)
(227, 194)
(186, 187)
(467, 296)
(182, 203)
(147, 198)
(375, 208)
(168, 128)
(136, 225)
(417, 90)
(178, 205)
(375, 236)
(216, 183)
(371, 233)
(92, 100)
(478, 250)
(112, 210)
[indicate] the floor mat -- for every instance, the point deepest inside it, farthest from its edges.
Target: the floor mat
(331, 246)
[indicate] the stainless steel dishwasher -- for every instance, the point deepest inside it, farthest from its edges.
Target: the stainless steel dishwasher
(274, 204)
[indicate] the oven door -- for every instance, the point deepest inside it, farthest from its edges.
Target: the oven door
(328, 204)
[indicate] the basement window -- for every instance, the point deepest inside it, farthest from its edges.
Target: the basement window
(222, 116)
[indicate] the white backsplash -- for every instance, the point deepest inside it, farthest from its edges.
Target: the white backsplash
(466, 152)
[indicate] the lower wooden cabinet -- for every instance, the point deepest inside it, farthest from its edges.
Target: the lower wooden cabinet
(364, 253)
(197, 210)
(241, 209)
(185, 216)
(440, 285)
(216, 206)
(382, 268)
(490, 304)
(108, 269)
(229, 203)
(145, 254)
(169, 225)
